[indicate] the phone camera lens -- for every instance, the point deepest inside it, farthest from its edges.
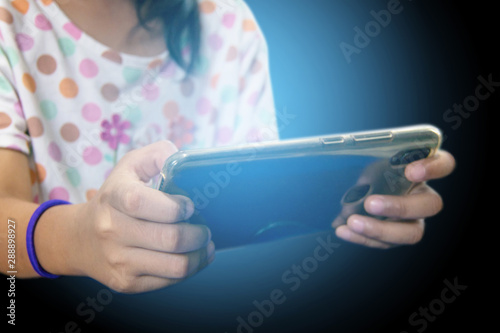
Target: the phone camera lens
(409, 156)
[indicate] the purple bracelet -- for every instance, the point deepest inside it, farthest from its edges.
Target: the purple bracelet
(30, 233)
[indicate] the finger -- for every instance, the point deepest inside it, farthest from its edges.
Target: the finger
(173, 238)
(139, 201)
(133, 282)
(391, 232)
(144, 283)
(170, 265)
(145, 163)
(347, 234)
(438, 166)
(425, 203)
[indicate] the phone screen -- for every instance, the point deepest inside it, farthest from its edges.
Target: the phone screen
(263, 200)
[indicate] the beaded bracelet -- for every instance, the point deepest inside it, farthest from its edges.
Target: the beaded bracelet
(30, 233)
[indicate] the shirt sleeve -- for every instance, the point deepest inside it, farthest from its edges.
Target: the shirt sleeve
(251, 117)
(13, 125)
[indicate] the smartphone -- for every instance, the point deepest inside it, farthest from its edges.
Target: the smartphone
(272, 190)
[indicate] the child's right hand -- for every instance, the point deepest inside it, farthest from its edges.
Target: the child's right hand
(132, 238)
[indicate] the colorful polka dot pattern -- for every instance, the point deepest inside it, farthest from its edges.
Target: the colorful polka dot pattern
(79, 106)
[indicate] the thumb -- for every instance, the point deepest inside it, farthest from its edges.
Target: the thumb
(146, 162)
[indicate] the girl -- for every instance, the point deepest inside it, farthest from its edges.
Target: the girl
(94, 97)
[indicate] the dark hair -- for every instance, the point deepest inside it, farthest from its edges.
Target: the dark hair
(181, 23)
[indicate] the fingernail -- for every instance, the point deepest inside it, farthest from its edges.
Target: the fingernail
(188, 209)
(356, 225)
(209, 232)
(343, 232)
(210, 249)
(375, 206)
(417, 172)
(211, 259)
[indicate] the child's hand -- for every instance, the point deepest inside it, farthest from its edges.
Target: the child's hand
(131, 237)
(406, 213)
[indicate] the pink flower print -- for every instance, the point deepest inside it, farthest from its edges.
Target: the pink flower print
(181, 131)
(114, 131)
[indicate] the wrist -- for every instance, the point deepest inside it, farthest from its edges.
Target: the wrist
(55, 240)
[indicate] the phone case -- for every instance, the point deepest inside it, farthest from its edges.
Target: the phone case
(270, 190)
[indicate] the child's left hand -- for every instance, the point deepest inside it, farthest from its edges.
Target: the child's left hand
(405, 223)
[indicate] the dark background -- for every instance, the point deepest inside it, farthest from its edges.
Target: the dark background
(424, 61)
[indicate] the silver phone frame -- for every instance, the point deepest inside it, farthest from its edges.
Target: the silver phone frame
(378, 143)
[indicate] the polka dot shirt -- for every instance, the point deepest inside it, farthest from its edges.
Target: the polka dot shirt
(75, 106)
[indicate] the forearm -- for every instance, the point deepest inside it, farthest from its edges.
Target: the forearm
(53, 238)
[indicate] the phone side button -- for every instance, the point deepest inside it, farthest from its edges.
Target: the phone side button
(332, 140)
(373, 137)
